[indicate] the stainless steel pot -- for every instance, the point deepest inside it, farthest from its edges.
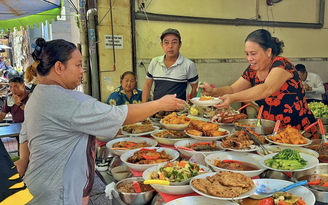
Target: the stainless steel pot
(135, 198)
(265, 129)
(321, 168)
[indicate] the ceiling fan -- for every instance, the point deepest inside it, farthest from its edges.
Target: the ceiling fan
(271, 2)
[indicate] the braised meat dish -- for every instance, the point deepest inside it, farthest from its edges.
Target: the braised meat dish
(227, 116)
(240, 140)
(127, 187)
(204, 146)
(201, 128)
(224, 184)
(149, 156)
(130, 145)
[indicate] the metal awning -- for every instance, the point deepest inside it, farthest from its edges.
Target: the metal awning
(17, 13)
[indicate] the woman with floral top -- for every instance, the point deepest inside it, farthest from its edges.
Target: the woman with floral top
(272, 81)
(127, 93)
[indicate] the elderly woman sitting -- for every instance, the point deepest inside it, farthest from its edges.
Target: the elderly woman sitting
(127, 93)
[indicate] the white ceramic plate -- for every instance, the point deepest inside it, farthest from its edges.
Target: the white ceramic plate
(311, 162)
(166, 141)
(243, 157)
(142, 167)
(198, 200)
(276, 148)
(139, 134)
(269, 185)
(174, 190)
(203, 176)
(196, 101)
(109, 144)
(187, 142)
(289, 145)
(252, 148)
(210, 138)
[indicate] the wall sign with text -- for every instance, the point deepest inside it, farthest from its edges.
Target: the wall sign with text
(118, 42)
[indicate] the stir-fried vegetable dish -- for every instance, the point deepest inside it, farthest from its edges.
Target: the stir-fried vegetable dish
(318, 109)
(176, 172)
(282, 198)
(286, 160)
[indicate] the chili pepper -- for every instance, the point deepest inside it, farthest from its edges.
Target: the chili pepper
(316, 182)
(325, 184)
(204, 143)
(195, 144)
(130, 144)
(243, 132)
(146, 149)
(254, 133)
(231, 160)
(149, 157)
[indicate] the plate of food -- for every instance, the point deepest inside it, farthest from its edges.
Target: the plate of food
(223, 185)
(138, 129)
(249, 148)
(176, 171)
(289, 160)
(276, 149)
(227, 116)
(221, 132)
(144, 158)
(206, 101)
(271, 139)
(198, 146)
(239, 141)
(169, 137)
(175, 122)
(290, 137)
(121, 145)
(244, 163)
(201, 130)
(292, 196)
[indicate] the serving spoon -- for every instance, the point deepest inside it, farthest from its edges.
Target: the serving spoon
(262, 195)
(163, 182)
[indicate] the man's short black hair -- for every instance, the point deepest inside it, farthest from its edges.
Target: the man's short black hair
(17, 79)
(301, 68)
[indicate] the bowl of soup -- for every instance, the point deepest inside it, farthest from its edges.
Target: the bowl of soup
(128, 195)
(240, 162)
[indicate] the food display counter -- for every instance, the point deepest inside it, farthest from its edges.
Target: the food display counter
(162, 198)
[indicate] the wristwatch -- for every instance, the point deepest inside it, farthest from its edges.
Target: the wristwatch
(21, 104)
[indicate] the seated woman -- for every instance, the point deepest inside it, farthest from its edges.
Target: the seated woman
(127, 93)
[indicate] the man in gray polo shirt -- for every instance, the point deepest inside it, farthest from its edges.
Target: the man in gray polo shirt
(171, 72)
